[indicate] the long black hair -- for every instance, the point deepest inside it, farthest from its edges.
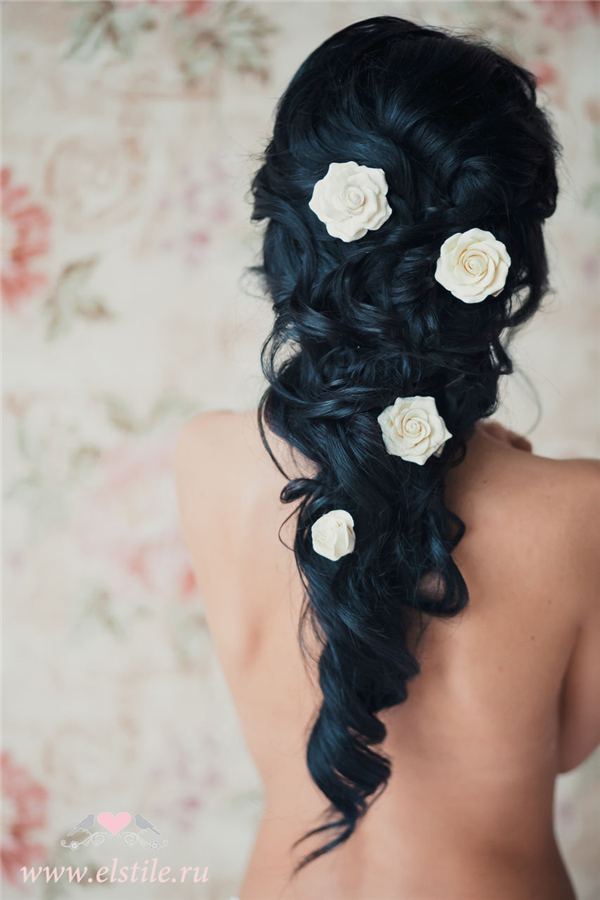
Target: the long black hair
(456, 128)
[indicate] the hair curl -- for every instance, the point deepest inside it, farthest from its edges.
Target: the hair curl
(456, 128)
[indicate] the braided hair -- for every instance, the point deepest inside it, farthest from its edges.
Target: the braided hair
(456, 128)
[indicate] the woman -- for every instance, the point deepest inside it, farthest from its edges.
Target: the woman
(411, 649)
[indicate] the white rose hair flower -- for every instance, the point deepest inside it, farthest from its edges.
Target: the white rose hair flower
(413, 429)
(351, 200)
(333, 534)
(472, 264)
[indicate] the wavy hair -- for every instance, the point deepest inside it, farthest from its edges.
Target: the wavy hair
(456, 128)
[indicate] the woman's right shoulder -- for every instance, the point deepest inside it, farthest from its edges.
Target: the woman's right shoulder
(560, 500)
(568, 489)
(573, 485)
(577, 565)
(537, 517)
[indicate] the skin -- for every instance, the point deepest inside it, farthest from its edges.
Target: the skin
(506, 699)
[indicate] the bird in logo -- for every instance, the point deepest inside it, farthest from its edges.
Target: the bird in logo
(83, 825)
(141, 822)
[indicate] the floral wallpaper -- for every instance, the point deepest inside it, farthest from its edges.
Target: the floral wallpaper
(131, 130)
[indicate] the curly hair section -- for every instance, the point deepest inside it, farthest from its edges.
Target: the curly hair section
(456, 128)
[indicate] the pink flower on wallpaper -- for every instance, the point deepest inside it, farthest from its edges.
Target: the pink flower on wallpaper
(190, 211)
(590, 270)
(566, 14)
(128, 525)
(187, 7)
(161, 566)
(25, 229)
(195, 7)
(24, 804)
(592, 109)
(545, 73)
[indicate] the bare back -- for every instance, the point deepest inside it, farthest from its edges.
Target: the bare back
(506, 698)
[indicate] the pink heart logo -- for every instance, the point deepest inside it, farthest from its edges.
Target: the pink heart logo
(114, 823)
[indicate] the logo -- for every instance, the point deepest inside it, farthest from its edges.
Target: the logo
(115, 825)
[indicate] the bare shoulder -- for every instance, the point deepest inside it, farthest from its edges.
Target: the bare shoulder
(201, 433)
(535, 518)
(212, 439)
(577, 490)
(571, 487)
(502, 469)
(574, 489)
(202, 458)
(217, 485)
(222, 467)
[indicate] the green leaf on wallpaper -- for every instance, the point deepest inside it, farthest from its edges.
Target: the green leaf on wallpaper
(591, 199)
(206, 35)
(103, 23)
(228, 33)
(190, 640)
(597, 144)
(120, 414)
(47, 478)
(71, 299)
(98, 608)
(124, 419)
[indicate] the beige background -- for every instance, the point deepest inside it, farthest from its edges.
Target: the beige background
(130, 134)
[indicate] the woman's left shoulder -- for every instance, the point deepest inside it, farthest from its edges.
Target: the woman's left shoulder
(202, 431)
(219, 458)
(200, 466)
